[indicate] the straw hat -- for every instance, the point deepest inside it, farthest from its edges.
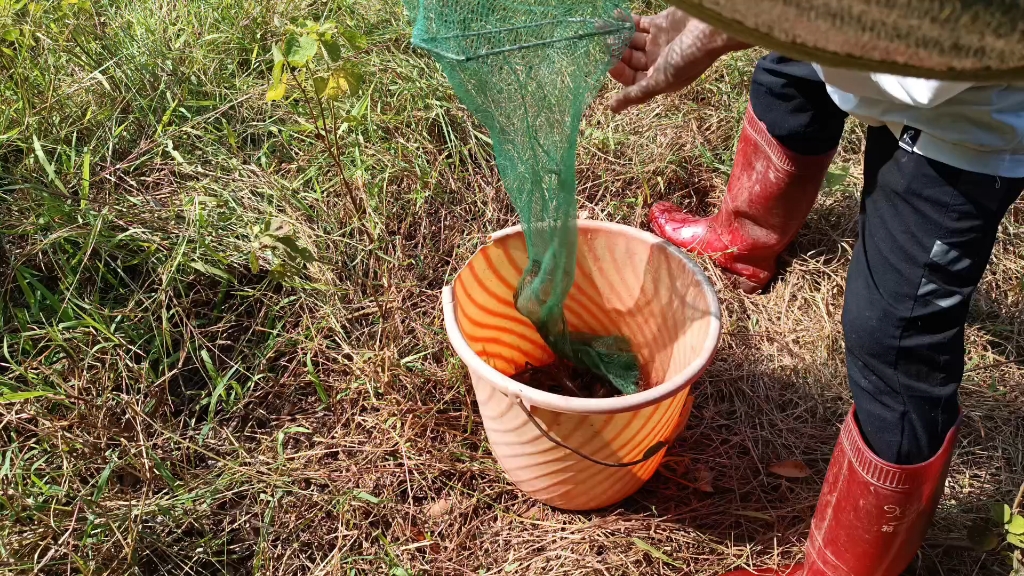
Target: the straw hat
(974, 40)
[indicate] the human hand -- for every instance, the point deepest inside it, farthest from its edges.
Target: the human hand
(668, 52)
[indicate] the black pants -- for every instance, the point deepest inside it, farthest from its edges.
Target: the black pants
(926, 235)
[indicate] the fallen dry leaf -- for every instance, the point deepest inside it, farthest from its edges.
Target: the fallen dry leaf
(790, 469)
(439, 508)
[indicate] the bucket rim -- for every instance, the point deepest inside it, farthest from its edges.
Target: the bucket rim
(617, 404)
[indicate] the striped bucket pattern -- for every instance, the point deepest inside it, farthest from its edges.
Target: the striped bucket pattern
(628, 282)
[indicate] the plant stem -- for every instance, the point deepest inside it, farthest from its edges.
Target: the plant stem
(331, 150)
(1019, 500)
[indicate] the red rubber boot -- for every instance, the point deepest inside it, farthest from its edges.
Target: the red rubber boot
(770, 193)
(872, 516)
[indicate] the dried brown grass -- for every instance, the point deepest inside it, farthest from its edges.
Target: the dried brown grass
(391, 474)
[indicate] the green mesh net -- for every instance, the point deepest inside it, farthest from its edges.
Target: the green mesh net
(527, 70)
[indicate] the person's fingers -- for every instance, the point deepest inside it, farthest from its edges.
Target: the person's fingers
(639, 41)
(636, 59)
(643, 23)
(641, 91)
(623, 74)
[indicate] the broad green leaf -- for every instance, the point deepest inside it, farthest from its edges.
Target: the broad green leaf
(982, 537)
(355, 40)
(398, 571)
(334, 86)
(299, 49)
(278, 71)
(11, 34)
(353, 77)
(1015, 525)
(1015, 539)
(654, 552)
(1001, 513)
(20, 396)
(278, 56)
(275, 92)
(281, 272)
(836, 178)
(320, 84)
(333, 49)
(295, 248)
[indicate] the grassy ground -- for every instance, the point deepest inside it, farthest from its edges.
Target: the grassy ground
(170, 402)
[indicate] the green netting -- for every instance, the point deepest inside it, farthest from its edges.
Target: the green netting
(527, 70)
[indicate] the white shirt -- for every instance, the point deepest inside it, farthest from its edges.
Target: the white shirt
(977, 127)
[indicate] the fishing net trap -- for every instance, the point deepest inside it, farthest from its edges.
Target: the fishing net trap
(527, 71)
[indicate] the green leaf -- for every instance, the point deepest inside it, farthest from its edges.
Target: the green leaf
(367, 497)
(398, 571)
(286, 431)
(352, 75)
(982, 537)
(282, 272)
(1015, 539)
(1015, 525)
(278, 71)
(11, 34)
(320, 84)
(355, 40)
(20, 396)
(212, 270)
(165, 473)
(295, 248)
(101, 485)
(275, 92)
(333, 49)
(46, 163)
(335, 85)
(278, 56)
(836, 178)
(316, 379)
(1001, 513)
(654, 552)
(299, 49)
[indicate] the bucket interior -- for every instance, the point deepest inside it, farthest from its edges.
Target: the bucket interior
(628, 283)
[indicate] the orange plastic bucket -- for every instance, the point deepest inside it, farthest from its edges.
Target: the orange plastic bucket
(585, 453)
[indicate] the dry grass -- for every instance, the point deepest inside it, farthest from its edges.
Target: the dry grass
(193, 423)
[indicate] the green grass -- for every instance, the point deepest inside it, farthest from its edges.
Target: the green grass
(179, 395)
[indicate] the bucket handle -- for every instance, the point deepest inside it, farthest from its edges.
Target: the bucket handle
(648, 454)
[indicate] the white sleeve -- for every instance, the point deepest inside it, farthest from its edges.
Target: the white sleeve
(918, 92)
